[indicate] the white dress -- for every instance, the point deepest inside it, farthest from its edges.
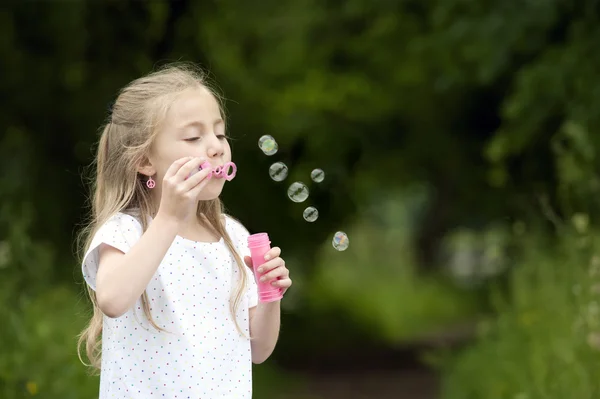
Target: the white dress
(201, 355)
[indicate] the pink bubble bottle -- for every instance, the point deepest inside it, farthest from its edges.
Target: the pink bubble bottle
(259, 245)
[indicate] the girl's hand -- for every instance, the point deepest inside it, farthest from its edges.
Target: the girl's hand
(179, 197)
(273, 270)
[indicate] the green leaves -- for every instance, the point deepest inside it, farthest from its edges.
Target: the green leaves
(545, 342)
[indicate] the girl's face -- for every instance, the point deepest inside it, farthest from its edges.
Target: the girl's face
(193, 127)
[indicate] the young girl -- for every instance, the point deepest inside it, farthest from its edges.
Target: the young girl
(175, 306)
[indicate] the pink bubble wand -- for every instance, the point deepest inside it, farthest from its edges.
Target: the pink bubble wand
(227, 171)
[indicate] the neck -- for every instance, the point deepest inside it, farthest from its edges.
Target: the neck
(193, 226)
(196, 230)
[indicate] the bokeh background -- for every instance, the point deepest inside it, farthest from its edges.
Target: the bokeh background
(459, 140)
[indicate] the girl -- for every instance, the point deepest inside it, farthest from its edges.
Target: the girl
(173, 301)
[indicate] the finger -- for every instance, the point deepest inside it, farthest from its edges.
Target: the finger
(248, 261)
(283, 283)
(188, 168)
(270, 265)
(195, 191)
(273, 253)
(274, 274)
(175, 166)
(196, 179)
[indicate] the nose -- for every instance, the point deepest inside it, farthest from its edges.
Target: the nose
(215, 147)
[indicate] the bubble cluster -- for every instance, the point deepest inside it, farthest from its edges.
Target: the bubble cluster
(310, 214)
(298, 192)
(317, 175)
(268, 145)
(278, 171)
(340, 241)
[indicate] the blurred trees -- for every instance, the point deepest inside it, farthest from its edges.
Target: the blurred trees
(450, 118)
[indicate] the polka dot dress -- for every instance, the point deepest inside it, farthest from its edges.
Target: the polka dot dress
(200, 354)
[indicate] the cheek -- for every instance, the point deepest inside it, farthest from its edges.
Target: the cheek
(167, 153)
(227, 147)
(212, 190)
(162, 164)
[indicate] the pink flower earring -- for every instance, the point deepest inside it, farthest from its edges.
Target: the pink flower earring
(150, 183)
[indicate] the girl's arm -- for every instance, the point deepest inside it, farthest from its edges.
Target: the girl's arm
(122, 278)
(265, 319)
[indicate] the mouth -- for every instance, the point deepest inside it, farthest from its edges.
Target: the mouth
(226, 171)
(205, 165)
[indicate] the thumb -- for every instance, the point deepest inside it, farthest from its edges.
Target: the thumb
(248, 261)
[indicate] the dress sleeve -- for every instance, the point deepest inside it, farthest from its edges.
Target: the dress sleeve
(121, 232)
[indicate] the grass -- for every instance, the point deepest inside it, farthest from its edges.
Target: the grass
(544, 341)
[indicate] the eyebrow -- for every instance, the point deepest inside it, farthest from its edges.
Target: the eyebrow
(201, 124)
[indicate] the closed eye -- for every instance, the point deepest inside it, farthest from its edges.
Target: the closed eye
(222, 137)
(192, 139)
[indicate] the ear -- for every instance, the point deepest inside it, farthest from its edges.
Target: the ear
(146, 168)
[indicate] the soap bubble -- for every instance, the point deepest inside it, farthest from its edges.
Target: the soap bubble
(340, 241)
(298, 192)
(317, 175)
(310, 214)
(268, 145)
(278, 171)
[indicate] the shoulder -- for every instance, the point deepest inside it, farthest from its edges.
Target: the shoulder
(122, 223)
(120, 231)
(124, 219)
(119, 228)
(237, 233)
(234, 226)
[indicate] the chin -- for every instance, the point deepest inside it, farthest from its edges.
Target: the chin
(210, 192)
(207, 197)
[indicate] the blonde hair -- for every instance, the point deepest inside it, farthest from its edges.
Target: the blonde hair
(117, 186)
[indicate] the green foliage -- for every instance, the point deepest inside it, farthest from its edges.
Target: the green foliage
(377, 281)
(544, 341)
(39, 358)
(492, 106)
(40, 316)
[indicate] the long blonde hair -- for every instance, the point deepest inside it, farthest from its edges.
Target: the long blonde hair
(118, 187)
